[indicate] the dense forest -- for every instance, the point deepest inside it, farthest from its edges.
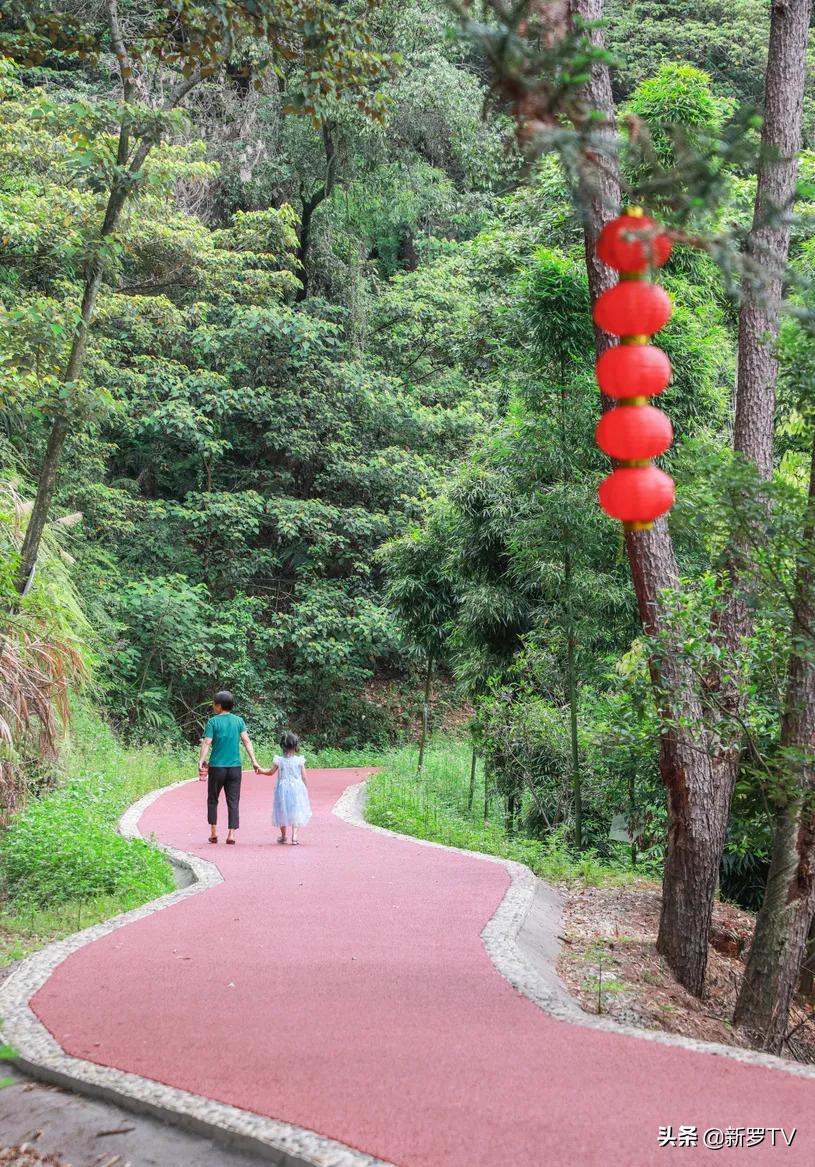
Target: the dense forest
(298, 398)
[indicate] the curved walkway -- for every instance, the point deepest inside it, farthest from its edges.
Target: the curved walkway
(343, 986)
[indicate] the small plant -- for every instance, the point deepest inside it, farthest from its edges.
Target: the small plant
(7, 1054)
(601, 981)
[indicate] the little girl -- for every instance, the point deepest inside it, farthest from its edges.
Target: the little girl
(291, 805)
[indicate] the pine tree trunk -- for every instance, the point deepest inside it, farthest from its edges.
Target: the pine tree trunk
(694, 839)
(599, 170)
(695, 835)
(806, 981)
(767, 252)
(783, 923)
(769, 238)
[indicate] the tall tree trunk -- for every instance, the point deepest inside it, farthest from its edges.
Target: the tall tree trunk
(769, 238)
(571, 687)
(692, 857)
(767, 251)
(471, 791)
(783, 923)
(129, 170)
(806, 981)
(695, 836)
(310, 204)
(599, 169)
(568, 596)
(425, 713)
(577, 787)
(73, 371)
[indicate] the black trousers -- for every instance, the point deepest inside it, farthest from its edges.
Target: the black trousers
(228, 779)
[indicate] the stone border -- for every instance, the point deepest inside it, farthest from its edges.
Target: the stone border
(537, 979)
(40, 1055)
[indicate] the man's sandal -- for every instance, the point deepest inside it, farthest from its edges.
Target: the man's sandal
(213, 839)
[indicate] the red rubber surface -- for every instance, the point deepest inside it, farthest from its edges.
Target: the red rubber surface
(343, 986)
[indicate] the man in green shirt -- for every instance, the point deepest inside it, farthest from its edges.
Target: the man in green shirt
(224, 733)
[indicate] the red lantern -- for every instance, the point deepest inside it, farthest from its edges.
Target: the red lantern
(633, 308)
(632, 243)
(632, 433)
(633, 370)
(636, 494)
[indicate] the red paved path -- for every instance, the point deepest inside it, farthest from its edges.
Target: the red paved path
(343, 986)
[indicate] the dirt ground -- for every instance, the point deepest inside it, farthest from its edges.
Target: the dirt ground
(43, 1126)
(610, 964)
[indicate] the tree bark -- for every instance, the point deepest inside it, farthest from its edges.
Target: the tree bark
(599, 178)
(694, 839)
(783, 923)
(425, 713)
(769, 238)
(471, 791)
(310, 204)
(61, 426)
(122, 184)
(806, 981)
(766, 255)
(695, 835)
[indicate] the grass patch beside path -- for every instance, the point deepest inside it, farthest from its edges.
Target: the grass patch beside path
(434, 806)
(331, 759)
(63, 865)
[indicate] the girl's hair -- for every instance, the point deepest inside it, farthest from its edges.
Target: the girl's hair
(289, 741)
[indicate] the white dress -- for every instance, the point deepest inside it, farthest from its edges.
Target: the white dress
(291, 806)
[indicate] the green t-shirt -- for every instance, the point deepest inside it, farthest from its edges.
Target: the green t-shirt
(225, 729)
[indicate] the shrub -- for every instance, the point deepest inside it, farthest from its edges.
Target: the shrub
(58, 850)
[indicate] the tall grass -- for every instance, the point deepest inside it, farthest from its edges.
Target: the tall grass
(329, 758)
(63, 864)
(435, 805)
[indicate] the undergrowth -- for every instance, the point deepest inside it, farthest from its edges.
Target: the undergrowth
(63, 865)
(436, 805)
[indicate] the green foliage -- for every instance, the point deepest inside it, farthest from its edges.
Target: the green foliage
(56, 850)
(249, 461)
(681, 113)
(434, 805)
(419, 588)
(44, 652)
(725, 38)
(334, 49)
(62, 863)
(338, 405)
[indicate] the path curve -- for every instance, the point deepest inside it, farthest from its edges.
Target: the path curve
(343, 987)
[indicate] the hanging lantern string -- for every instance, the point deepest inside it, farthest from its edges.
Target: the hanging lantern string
(634, 432)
